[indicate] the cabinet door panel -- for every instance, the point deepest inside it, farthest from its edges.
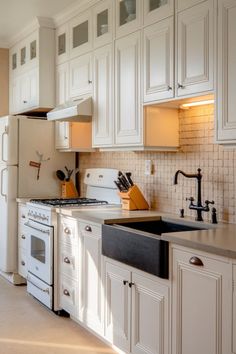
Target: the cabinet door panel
(156, 10)
(195, 49)
(103, 92)
(102, 19)
(128, 16)
(117, 306)
(201, 304)
(80, 34)
(80, 76)
(62, 83)
(149, 316)
(128, 110)
(226, 103)
(62, 135)
(158, 61)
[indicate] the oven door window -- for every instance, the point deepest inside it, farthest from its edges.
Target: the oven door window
(38, 249)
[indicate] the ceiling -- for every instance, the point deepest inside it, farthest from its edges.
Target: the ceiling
(16, 14)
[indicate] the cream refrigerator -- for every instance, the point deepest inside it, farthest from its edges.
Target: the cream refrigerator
(28, 162)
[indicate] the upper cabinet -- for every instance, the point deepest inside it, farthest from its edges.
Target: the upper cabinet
(102, 21)
(32, 66)
(62, 44)
(81, 34)
(226, 73)
(195, 49)
(128, 16)
(155, 10)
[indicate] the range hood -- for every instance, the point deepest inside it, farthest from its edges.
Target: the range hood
(73, 111)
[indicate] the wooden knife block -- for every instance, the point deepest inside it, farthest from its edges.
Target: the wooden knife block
(133, 199)
(68, 190)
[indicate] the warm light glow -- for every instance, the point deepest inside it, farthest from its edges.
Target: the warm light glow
(198, 103)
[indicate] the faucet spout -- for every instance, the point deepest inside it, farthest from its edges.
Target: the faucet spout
(187, 175)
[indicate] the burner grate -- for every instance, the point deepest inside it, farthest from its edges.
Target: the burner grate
(59, 202)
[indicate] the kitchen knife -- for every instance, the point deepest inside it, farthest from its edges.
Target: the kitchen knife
(118, 186)
(128, 176)
(123, 183)
(123, 180)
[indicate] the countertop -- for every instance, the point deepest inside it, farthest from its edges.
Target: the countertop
(219, 239)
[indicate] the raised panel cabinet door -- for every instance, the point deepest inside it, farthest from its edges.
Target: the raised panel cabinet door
(158, 81)
(81, 76)
(156, 10)
(102, 97)
(202, 301)
(81, 34)
(150, 316)
(128, 115)
(226, 73)
(15, 95)
(91, 310)
(24, 92)
(195, 65)
(62, 83)
(117, 306)
(185, 4)
(62, 43)
(62, 135)
(33, 88)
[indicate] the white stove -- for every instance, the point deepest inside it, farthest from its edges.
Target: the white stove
(42, 231)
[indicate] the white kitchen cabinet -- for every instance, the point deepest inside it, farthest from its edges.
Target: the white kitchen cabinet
(158, 68)
(81, 34)
(186, 4)
(62, 83)
(103, 113)
(201, 301)
(234, 311)
(128, 16)
(136, 310)
(32, 70)
(226, 73)
(128, 115)
(103, 23)
(91, 304)
(62, 43)
(81, 76)
(22, 240)
(195, 49)
(156, 10)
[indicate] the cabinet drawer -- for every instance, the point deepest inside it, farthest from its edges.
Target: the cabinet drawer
(22, 237)
(68, 295)
(68, 261)
(69, 231)
(86, 227)
(22, 262)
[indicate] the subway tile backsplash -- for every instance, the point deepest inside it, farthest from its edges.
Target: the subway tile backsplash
(197, 149)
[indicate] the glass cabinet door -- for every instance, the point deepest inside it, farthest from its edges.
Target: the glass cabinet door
(33, 50)
(14, 61)
(80, 30)
(80, 34)
(102, 23)
(23, 56)
(62, 48)
(127, 16)
(155, 10)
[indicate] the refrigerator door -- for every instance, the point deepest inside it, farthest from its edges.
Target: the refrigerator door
(8, 218)
(37, 147)
(9, 140)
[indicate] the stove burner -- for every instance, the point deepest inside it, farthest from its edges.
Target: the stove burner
(68, 202)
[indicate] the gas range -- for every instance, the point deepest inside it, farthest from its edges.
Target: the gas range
(70, 202)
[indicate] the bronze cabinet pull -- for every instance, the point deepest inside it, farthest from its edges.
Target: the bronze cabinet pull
(196, 261)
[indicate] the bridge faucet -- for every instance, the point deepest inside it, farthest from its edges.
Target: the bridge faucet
(198, 206)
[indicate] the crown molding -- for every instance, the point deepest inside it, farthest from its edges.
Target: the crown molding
(36, 23)
(72, 10)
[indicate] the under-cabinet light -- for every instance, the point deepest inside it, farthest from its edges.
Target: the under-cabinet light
(198, 103)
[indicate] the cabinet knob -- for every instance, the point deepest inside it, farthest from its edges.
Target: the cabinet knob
(169, 88)
(24, 101)
(66, 292)
(88, 228)
(67, 231)
(131, 284)
(90, 81)
(23, 237)
(196, 261)
(23, 216)
(180, 86)
(66, 260)
(22, 263)
(125, 282)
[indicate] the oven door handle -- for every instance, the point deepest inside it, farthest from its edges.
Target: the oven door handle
(37, 229)
(38, 287)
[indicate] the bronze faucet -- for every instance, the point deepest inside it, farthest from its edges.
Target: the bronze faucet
(198, 206)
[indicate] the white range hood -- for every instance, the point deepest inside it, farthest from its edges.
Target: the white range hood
(73, 111)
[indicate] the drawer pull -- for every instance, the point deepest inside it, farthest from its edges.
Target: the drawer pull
(23, 237)
(67, 231)
(66, 260)
(66, 292)
(88, 228)
(196, 261)
(22, 263)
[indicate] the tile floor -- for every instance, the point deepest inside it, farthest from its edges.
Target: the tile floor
(26, 327)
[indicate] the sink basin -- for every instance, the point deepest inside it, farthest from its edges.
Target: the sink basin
(159, 227)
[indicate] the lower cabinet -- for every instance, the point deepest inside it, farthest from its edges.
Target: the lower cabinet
(202, 288)
(136, 310)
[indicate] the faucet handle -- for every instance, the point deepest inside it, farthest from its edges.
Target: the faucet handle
(207, 202)
(191, 199)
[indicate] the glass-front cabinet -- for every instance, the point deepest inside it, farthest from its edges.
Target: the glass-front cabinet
(62, 47)
(80, 34)
(102, 19)
(127, 16)
(155, 10)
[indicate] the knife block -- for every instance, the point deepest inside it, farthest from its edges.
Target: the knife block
(68, 189)
(133, 199)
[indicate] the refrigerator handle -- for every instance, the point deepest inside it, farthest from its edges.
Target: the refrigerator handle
(1, 191)
(4, 133)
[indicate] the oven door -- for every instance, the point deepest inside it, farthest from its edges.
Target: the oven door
(40, 251)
